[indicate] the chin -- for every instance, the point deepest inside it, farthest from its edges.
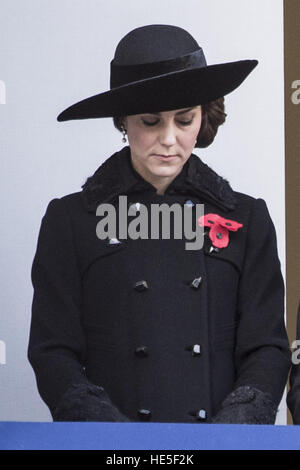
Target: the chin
(166, 167)
(165, 171)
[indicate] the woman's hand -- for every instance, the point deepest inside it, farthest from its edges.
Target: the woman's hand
(83, 402)
(247, 405)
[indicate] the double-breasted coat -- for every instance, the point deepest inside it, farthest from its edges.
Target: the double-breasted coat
(145, 329)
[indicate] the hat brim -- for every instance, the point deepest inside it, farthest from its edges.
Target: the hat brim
(175, 90)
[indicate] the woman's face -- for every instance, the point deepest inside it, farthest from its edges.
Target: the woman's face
(161, 143)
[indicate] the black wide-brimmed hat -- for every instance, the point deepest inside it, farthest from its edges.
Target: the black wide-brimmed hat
(160, 68)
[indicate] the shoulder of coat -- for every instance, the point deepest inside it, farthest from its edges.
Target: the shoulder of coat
(244, 199)
(72, 202)
(245, 204)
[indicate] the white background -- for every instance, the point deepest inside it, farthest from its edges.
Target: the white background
(56, 52)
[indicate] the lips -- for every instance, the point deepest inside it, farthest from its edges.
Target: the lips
(165, 156)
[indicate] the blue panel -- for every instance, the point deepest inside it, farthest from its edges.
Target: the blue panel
(144, 436)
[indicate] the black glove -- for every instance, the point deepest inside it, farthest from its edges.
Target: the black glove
(84, 402)
(247, 405)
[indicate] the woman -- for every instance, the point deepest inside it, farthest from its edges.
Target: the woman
(136, 328)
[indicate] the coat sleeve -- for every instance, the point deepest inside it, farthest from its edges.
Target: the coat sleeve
(57, 346)
(262, 354)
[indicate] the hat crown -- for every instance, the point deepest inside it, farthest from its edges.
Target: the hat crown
(154, 43)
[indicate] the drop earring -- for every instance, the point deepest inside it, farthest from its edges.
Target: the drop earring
(124, 132)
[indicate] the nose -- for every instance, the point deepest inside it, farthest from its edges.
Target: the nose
(167, 135)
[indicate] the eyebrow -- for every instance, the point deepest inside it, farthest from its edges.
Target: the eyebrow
(179, 112)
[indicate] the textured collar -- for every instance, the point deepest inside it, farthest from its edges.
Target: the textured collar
(117, 176)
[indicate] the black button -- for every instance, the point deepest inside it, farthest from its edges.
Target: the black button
(195, 348)
(201, 415)
(141, 351)
(196, 351)
(213, 249)
(196, 282)
(141, 285)
(113, 242)
(144, 415)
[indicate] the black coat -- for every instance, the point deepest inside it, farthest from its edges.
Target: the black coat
(106, 347)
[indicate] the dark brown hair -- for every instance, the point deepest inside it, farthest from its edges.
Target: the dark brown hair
(213, 115)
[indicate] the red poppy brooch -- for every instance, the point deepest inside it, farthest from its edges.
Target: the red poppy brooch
(219, 228)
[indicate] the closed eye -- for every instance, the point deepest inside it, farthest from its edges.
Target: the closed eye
(185, 123)
(153, 123)
(150, 123)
